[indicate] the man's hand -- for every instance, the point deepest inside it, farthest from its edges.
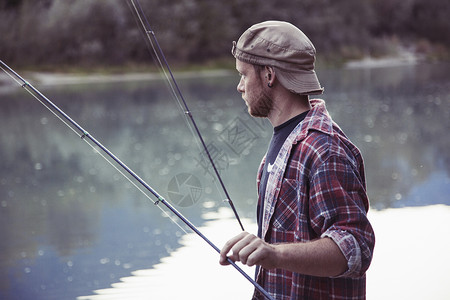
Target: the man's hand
(249, 250)
(321, 257)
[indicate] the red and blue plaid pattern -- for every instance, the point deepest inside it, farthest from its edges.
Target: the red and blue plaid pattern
(317, 189)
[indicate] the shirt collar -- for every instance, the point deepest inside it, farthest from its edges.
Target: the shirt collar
(317, 119)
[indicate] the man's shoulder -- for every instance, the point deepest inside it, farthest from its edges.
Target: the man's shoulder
(315, 142)
(319, 146)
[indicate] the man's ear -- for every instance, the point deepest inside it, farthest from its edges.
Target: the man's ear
(270, 74)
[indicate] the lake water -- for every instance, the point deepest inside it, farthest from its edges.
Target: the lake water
(72, 225)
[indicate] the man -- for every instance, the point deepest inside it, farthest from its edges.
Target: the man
(314, 239)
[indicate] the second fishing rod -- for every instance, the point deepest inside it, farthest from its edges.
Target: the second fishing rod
(164, 65)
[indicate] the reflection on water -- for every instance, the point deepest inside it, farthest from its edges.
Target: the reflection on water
(159, 282)
(71, 224)
(399, 117)
(391, 276)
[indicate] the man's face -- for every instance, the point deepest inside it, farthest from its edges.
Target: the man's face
(253, 90)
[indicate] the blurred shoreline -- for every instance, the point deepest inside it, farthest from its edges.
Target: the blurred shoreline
(71, 78)
(7, 84)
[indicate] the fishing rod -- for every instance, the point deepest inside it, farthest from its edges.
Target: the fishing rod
(93, 143)
(177, 93)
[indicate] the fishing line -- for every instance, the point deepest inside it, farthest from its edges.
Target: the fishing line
(105, 153)
(164, 65)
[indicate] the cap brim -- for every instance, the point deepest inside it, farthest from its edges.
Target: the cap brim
(300, 82)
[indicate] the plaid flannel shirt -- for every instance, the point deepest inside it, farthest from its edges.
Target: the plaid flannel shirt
(317, 189)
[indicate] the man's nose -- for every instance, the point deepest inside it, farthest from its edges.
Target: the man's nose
(240, 87)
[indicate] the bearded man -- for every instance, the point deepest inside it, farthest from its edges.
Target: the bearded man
(314, 240)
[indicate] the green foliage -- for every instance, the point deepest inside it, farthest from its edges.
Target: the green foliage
(104, 32)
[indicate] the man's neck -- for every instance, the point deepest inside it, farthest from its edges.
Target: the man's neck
(288, 106)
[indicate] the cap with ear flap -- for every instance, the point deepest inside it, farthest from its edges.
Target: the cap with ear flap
(287, 49)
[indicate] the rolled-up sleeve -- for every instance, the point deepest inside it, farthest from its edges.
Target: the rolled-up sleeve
(338, 208)
(350, 248)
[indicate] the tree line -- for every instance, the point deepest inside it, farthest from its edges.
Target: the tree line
(105, 33)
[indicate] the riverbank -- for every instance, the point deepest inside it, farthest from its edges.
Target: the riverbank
(39, 79)
(402, 58)
(142, 74)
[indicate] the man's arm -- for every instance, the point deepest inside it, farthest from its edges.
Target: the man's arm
(321, 257)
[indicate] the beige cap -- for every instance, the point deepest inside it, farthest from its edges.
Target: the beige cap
(284, 47)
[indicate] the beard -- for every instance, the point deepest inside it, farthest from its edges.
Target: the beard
(261, 107)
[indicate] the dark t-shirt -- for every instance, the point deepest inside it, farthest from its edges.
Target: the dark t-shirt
(280, 134)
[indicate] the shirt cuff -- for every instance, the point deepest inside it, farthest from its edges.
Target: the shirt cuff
(350, 248)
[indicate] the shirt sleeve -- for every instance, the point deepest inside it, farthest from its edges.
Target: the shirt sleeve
(338, 202)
